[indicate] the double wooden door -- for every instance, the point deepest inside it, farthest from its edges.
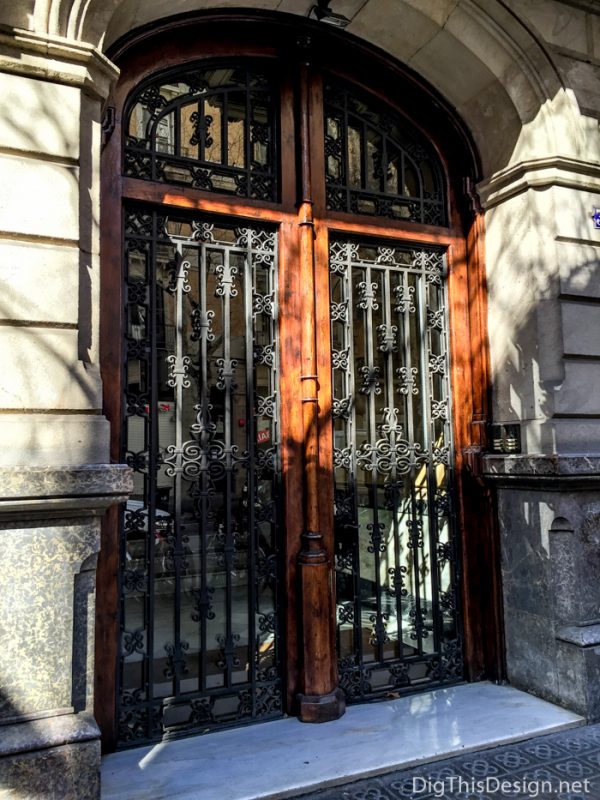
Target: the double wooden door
(260, 216)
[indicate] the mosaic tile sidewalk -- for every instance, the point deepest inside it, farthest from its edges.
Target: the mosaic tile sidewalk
(561, 766)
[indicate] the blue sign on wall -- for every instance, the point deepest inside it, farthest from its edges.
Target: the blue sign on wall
(596, 217)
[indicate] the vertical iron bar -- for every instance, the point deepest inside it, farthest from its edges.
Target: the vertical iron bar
(225, 131)
(247, 142)
(413, 530)
(431, 506)
(177, 130)
(228, 414)
(425, 403)
(404, 325)
(205, 420)
(253, 646)
(350, 441)
(152, 467)
(394, 435)
(370, 347)
(202, 130)
(177, 655)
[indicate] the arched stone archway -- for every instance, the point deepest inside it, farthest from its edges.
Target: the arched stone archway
(479, 55)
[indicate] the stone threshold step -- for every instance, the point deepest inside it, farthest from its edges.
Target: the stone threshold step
(286, 758)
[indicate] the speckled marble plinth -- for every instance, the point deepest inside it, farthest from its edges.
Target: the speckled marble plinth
(56, 758)
(49, 541)
(70, 772)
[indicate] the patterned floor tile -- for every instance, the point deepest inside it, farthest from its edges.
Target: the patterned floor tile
(562, 766)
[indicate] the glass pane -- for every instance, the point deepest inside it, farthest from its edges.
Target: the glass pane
(199, 549)
(354, 157)
(165, 134)
(397, 624)
(189, 131)
(387, 161)
(236, 129)
(213, 129)
(213, 110)
(260, 136)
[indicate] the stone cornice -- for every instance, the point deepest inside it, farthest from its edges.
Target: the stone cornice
(542, 472)
(539, 173)
(59, 492)
(56, 59)
(580, 635)
(41, 734)
(591, 6)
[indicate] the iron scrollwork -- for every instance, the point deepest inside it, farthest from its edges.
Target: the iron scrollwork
(171, 123)
(199, 551)
(376, 163)
(398, 620)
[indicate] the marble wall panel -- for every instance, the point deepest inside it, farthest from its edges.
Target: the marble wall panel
(46, 610)
(550, 546)
(70, 772)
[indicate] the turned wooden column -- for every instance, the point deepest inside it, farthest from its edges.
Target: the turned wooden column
(321, 700)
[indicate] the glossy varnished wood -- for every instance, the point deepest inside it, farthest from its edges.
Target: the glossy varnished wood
(319, 699)
(482, 510)
(248, 35)
(190, 199)
(290, 316)
(111, 362)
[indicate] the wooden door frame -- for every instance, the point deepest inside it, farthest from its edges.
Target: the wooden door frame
(211, 36)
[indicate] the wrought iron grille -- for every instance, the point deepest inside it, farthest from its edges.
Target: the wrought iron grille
(376, 163)
(396, 562)
(199, 561)
(212, 128)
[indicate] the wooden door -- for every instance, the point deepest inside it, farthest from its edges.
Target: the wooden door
(289, 369)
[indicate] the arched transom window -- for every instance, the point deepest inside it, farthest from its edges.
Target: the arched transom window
(210, 128)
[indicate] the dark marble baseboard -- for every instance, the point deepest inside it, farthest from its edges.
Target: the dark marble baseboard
(68, 772)
(63, 491)
(542, 472)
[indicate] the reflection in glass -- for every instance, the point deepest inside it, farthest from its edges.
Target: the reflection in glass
(199, 552)
(376, 163)
(210, 128)
(394, 536)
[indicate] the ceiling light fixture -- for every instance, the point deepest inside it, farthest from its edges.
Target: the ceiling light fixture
(323, 13)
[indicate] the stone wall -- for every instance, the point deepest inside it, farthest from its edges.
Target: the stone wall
(543, 248)
(549, 514)
(50, 101)
(55, 482)
(543, 260)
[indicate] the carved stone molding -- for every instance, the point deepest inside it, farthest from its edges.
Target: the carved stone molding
(542, 472)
